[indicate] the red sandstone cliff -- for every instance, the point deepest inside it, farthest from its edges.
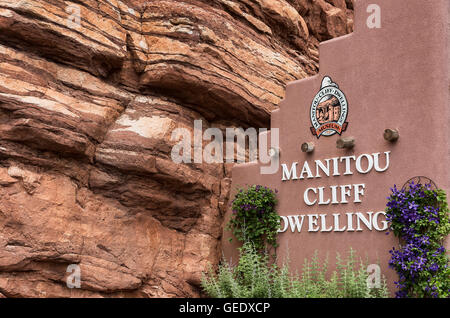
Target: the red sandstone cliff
(86, 115)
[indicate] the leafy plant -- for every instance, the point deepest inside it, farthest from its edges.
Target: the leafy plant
(255, 277)
(254, 217)
(419, 217)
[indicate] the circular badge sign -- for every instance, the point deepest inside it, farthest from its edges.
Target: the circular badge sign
(329, 110)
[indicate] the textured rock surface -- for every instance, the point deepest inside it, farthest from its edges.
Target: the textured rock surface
(86, 116)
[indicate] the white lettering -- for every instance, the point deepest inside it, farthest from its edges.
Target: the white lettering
(289, 174)
(321, 201)
(334, 195)
(336, 166)
(367, 222)
(324, 224)
(345, 193)
(318, 222)
(369, 164)
(350, 222)
(198, 142)
(295, 222)
(240, 135)
(336, 223)
(359, 191)
(181, 152)
(374, 19)
(384, 222)
(213, 151)
(325, 169)
(74, 279)
(347, 159)
(306, 198)
(306, 170)
(312, 221)
(374, 277)
(376, 163)
(373, 161)
(286, 224)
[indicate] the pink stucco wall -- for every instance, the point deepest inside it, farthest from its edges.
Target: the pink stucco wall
(397, 77)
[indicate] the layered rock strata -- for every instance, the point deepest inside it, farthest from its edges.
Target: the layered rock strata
(90, 93)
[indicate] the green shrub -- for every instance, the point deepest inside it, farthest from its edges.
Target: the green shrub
(254, 217)
(255, 277)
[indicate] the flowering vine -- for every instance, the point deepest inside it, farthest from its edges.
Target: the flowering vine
(254, 217)
(418, 216)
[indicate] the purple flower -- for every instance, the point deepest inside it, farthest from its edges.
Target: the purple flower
(413, 205)
(434, 267)
(411, 219)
